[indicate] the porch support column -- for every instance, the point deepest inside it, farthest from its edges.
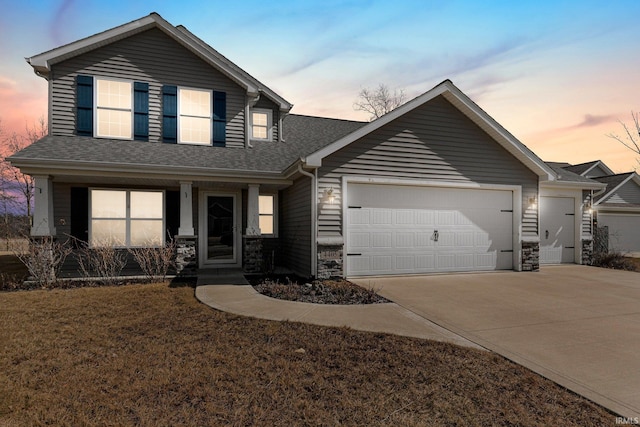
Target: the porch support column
(253, 213)
(43, 207)
(186, 209)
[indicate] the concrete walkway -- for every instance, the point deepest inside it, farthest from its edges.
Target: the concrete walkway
(578, 326)
(238, 297)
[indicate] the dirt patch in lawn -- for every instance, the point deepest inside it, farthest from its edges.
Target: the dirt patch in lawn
(152, 355)
(330, 291)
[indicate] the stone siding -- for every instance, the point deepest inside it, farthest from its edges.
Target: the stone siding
(252, 260)
(186, 256)
(587, 252)
(530, 256)
(330, 261)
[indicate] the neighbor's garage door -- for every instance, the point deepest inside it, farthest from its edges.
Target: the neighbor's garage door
(557, 230)
(624, 231)
(395, 229)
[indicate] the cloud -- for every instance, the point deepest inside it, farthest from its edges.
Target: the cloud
(58, 24)
(591, 120)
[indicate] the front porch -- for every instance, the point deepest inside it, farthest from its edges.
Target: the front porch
(216, 226)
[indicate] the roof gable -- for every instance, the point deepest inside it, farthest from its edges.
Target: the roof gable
(43, 62)
(464, 104)
(616, 183)
(590, 169)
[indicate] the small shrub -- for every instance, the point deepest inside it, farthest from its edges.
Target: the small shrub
(155, 262)
(614, 260)
(43, 259)
(102, 264)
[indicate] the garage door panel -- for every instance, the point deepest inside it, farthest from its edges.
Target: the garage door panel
(393, 232)
(382, 240)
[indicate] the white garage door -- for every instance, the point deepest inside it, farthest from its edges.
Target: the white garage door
(394, 229)
(557, 230)
(624, 231)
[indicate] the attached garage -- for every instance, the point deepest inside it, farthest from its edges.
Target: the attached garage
(404, 229)
(557, 230)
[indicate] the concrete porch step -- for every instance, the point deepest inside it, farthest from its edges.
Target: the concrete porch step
(221, 276)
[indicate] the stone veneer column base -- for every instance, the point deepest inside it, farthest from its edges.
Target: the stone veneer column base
(330, 261)
(252, 260)
(186, 256)
(587, 252)
(530, 256)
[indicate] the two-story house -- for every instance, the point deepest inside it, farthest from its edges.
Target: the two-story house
(154, 134)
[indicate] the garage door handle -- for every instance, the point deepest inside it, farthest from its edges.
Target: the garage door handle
(436, 235)
(546, 234)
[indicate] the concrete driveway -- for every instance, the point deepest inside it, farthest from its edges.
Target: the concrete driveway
(578, 326)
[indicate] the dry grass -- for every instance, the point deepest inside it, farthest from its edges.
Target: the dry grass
(151, 355)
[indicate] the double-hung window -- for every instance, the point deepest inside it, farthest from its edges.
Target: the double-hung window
(112, 108)
(193, 116)
(261, 124)
(126, 218)
(267, 214)
(194, 123)
(114, 118)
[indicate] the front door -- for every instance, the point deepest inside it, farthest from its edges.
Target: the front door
(219, 244)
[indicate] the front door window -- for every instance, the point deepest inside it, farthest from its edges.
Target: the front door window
(220, 229)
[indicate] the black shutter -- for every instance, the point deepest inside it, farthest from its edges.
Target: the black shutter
(79, 216)
(219, 119)
(172, 212)
(170, 114)
(141, 111)
(84, 105)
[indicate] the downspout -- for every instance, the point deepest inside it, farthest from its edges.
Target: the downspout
(314, 216)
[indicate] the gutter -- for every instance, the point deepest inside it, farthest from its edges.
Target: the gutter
(314, 216)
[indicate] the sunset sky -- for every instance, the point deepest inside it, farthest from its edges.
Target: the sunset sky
(559, 75)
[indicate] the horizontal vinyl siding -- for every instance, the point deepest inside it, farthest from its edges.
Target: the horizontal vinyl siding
(586, 216)
(62, 209)
(152, 57)
(434, 142)
(629, 193)
(295, 226)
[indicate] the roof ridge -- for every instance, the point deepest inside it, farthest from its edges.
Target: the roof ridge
(327, 118)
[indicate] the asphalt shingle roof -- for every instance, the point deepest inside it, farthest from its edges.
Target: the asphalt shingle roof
(303, 135)
(612, 182)
(581, 168)
(566, 175)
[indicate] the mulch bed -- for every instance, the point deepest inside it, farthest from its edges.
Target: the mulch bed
(331, 291)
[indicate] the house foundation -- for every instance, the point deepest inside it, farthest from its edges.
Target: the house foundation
(186, 256)
(530, 256)
(330, 262)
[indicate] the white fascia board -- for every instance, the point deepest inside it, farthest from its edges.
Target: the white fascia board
(254, 87)
(614, 189)
(602, 165)
(463, 103)
(315, 159)
(573, 185)
(43, 61)
(142, 171)
(604, 209)
(499, 133)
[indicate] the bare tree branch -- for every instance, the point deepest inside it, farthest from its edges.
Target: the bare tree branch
(11, 179)
(379, 101)
(631, 138)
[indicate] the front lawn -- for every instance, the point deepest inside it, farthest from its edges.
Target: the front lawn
(152, 355)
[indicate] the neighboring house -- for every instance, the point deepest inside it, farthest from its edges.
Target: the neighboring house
(617, 206)
(153, 133)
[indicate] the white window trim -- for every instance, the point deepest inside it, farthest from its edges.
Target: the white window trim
(179, 115)
(269, 114)
(127, 217)
(95, 107)
(275, 214)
